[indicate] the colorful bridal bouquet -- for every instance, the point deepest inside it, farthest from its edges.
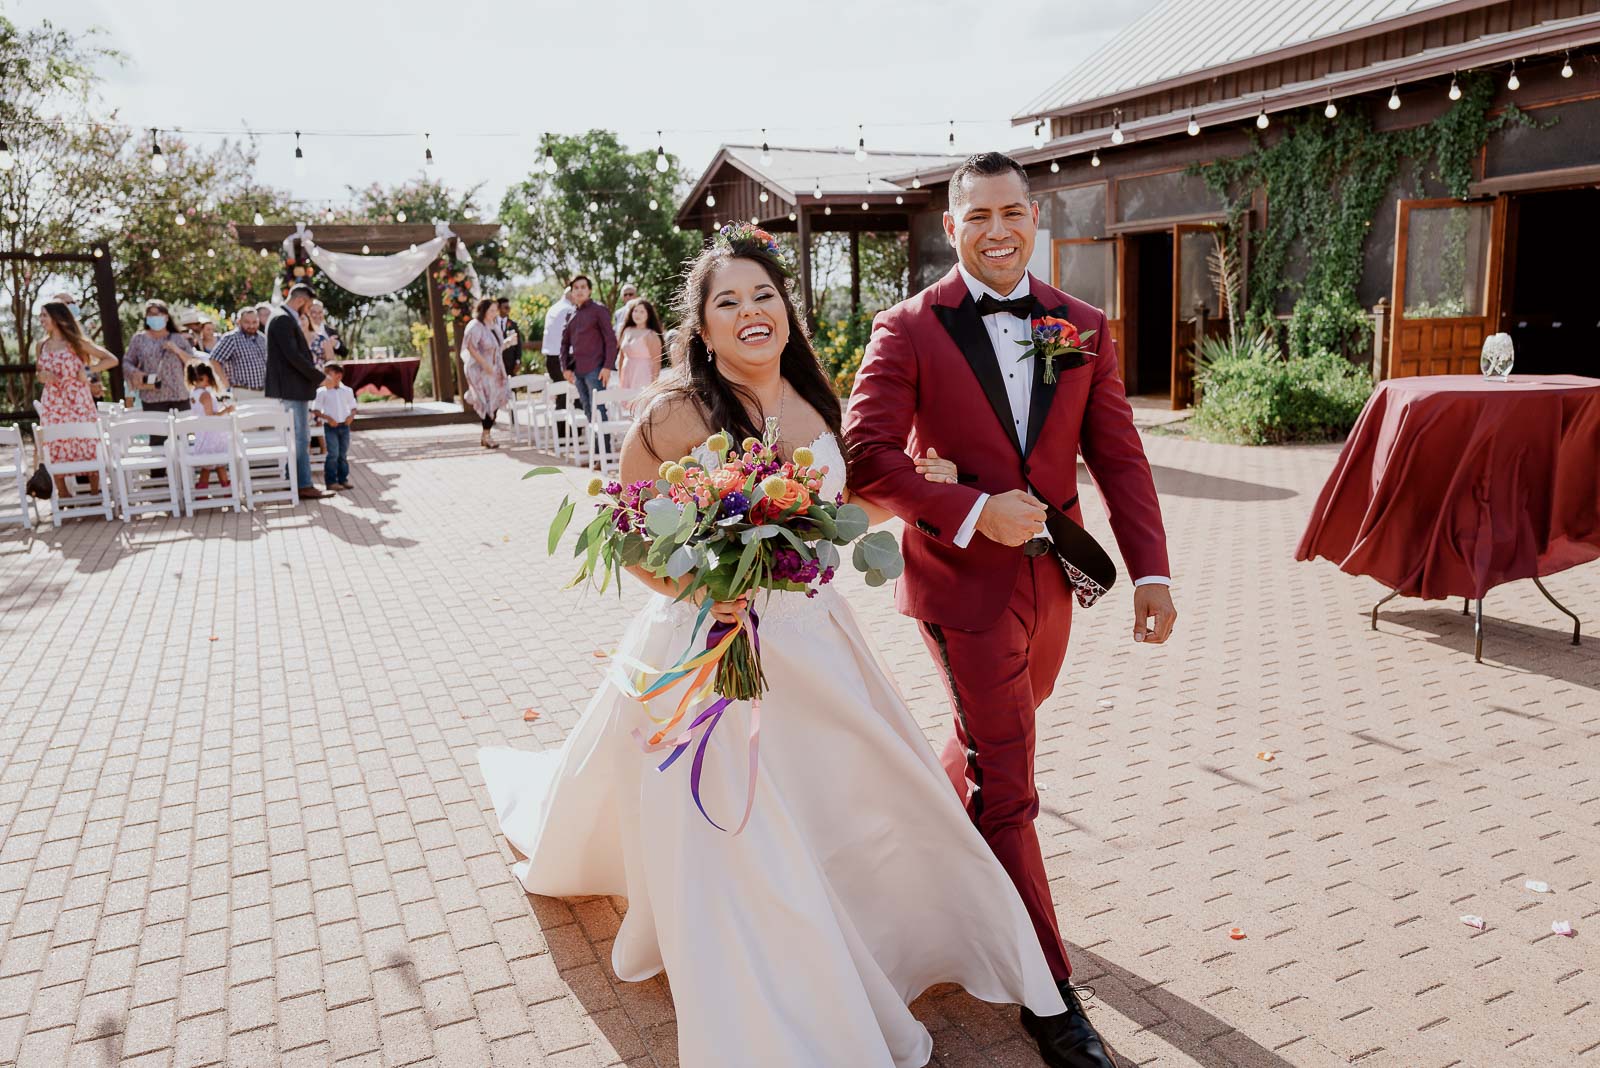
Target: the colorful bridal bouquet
(728, 522)
(722, 523)
(1055, 339)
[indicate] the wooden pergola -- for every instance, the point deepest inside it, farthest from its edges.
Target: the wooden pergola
(381, 239)
(807, 190)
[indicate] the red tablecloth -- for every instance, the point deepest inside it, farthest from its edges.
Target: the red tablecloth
(1453, 484)
(398, 377)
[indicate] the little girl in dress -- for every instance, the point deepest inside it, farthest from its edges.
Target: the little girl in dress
(203, 395)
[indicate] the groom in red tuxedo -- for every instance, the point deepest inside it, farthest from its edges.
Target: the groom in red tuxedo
(946, 372)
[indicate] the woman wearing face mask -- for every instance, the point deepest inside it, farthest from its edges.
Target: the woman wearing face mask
(155, 361)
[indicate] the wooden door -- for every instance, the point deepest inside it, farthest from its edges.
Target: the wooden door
(1195, 304)
(1446, 275)
(1089, 268)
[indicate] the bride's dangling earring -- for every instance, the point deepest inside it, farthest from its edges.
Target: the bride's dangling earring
(711, 357)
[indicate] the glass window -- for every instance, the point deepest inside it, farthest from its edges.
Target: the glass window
(1565, 137)
(1164, 196)
(1195, 285)
(1088, 271)
(1079, 211)
(1447, 261)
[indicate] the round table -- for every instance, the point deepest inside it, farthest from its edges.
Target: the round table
(1451, 485)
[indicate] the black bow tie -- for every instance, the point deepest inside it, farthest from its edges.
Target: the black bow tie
(1021, 307)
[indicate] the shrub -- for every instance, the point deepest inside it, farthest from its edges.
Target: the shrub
(840, 345)
(1335, 323)
(1251, 396)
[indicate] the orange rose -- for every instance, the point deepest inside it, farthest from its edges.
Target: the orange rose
(793, 493)
(727, 480)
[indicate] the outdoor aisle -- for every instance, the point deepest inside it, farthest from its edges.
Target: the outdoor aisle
(275, 847)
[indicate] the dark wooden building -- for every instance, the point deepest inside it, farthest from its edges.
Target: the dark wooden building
(1127, 225)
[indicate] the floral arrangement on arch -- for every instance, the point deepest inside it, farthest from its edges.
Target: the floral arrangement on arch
(454, 279)
(296, 269)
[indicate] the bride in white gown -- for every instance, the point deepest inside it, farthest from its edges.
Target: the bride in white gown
(859, 881)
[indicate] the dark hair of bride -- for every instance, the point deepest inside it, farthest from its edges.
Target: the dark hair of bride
(694, 378)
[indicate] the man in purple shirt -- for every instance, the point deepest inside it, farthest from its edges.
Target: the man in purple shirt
(588, 345)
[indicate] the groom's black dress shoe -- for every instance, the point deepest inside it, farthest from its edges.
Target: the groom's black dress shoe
(1068, 1040)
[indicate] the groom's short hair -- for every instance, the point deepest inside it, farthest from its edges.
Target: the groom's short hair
(983, 165)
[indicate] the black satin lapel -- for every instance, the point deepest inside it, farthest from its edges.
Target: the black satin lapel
(966, 329)
(1043, 392)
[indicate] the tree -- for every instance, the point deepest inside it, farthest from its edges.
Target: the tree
(605, 212)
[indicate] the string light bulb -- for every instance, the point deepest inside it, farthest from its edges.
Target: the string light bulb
(427, 150)
(1116, 128)
(259, 220)
(1566, 66)
(792, 216)
(365, 249)
(7, 160)
(662, 166)
(1455, 88)
(916, 181)
(711, 200)
(654, 204)
(816, 190)
(863, 205)
(1513, 83)
(828, 210)
(594, 205)
(155, 254)
(1332, 110)
(158, 162)
(1194, 126)
(1094, 158)
(951, 143)
(764, 196)
(1394, 99)
(211, 253)
(898, 199)
(299, 157)
(1055, 166)
(861, 144)
(1038, 134)
(766, 149)
(549, 159)
(400, 216)
(1262, 122)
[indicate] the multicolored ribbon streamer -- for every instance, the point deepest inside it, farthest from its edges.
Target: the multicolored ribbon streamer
(703, 666)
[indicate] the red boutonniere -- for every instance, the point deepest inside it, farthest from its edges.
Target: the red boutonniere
(1052, 339)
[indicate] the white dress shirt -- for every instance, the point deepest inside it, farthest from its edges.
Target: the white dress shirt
(555, 322)
(1005, 330)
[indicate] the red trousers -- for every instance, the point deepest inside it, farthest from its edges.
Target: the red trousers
(996, 679)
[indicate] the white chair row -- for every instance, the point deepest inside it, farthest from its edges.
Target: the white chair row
(548, 415)
(253, 446)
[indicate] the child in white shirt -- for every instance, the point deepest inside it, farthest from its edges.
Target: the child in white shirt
(335, 409)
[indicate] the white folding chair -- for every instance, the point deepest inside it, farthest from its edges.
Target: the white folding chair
(78, 504)
(135, 463)
(265, 449)
(612, 418)
(186, 430)
(527, 398)
(568, 424)
(14, 479)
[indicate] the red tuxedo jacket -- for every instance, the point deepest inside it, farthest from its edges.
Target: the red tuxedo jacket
(930, 379)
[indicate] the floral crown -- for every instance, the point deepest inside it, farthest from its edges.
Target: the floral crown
(746, 237)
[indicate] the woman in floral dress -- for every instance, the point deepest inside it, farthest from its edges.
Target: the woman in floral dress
(487, 388)
(67, 361)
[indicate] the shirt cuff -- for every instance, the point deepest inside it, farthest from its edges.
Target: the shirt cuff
(969, 526)
(1148, 580)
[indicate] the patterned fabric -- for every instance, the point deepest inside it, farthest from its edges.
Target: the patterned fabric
(211, 441)
(1088, 591)
(243, 358)
(69, 401)
(150, 355)
(488, 391)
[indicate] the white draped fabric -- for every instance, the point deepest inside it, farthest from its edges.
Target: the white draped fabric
(859, 882)
(377, 276)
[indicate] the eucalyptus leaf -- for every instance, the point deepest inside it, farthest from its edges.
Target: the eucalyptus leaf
(559, 526)
(680, 563)
(824, 523)
(876, 578)
(827, 554)
(851, 523)
(661, 516)
(761, 533)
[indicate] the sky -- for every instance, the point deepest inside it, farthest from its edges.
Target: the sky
(485, 80)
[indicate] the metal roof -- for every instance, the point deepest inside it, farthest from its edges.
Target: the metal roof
(1181, 39)
(796, 171)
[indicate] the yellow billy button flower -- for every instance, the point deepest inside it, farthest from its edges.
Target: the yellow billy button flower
(596, 486)
(749, 444)
(804, 457)
(773, 486)
(717, 443)
(674, 474)
(666, 465)
(688, 462)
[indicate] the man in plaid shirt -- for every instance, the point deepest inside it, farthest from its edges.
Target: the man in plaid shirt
(242, 355)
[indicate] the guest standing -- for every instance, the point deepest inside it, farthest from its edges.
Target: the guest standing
(487, 390)
(65, 363)
(555, 324)
(203, 389)
(639, 345)
(71, 301)
(325, 342)
(241, 355)
(155, 361)
(293, 379)
(629, 294)
(588, 345)
(510, 338)
(335, 409)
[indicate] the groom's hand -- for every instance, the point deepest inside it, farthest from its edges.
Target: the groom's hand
(1153, 599)
(1012, 518)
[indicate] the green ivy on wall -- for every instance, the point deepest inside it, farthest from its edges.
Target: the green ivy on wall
(1324, 182)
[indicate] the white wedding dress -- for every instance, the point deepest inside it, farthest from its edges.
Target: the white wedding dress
(858, 883)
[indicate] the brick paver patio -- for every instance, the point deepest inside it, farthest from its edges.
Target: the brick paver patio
(243, 822)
